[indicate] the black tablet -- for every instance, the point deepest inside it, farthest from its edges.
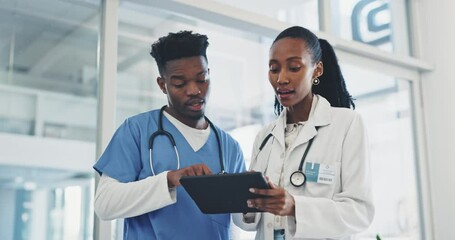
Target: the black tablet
(224, 193)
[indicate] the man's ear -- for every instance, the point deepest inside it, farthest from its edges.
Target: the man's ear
(161, 84)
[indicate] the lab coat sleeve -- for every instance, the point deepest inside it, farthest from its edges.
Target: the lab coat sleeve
(114, 199)
(249, 221)
(349, 211)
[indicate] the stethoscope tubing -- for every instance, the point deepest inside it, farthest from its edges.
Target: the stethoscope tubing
(161, 131)
(151, 161)
(302, 160)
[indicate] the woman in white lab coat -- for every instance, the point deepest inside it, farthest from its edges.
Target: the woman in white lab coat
(315, 154)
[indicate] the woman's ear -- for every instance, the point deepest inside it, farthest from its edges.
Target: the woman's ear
(161, 83)
(319, 70)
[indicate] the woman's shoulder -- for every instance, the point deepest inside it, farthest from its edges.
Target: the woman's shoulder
(336, 113)
(346, 118)
(344, 112)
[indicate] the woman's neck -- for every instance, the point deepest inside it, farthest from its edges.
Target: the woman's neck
(300, 111)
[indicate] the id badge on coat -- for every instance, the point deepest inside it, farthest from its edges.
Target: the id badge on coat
(320, 173)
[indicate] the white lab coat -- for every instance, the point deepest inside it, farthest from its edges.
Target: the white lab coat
(322, 211)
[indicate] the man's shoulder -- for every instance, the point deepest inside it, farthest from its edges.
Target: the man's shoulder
(143, 116)
(141, 121)
(225, 136)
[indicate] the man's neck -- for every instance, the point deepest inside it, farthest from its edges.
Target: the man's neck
(198, 123)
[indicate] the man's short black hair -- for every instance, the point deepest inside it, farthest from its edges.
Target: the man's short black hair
(178, 45)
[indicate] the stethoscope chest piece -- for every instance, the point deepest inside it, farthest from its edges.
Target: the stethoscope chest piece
(298, 178)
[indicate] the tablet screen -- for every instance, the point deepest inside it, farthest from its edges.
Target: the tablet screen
(224, 193)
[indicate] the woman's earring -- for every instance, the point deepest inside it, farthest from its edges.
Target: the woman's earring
(316, 81)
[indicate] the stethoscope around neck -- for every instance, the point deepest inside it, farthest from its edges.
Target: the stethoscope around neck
(298, 177)
(169, 136)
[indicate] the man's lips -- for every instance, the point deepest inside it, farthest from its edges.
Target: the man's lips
(195, 104)
(195, 101)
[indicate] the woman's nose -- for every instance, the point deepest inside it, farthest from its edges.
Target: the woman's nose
(282, 78)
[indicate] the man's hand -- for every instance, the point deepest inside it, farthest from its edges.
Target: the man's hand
(277, 201)
(173, 177)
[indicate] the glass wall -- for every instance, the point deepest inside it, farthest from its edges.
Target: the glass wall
(379, 23)
(365, 21)
(48, 105)
(48, 100)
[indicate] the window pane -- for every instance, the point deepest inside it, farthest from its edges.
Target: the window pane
(48, 68)
(385, 104)
(379, 23)
(48, 103)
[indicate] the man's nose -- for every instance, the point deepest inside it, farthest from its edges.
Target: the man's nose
(193, 89)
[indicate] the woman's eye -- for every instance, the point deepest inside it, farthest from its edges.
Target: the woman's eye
(294, 69)
(273, 69)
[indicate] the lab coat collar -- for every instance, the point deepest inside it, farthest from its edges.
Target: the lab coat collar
(319, 116)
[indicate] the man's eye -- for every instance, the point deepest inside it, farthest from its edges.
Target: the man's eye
(179, 85)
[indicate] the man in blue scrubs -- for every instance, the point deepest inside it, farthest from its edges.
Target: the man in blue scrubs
(146, 192)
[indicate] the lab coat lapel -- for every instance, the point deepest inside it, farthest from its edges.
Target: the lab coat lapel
(308, 132)
(278, 129)
(319, 116)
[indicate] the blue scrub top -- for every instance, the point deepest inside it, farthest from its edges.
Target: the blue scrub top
(126, 159)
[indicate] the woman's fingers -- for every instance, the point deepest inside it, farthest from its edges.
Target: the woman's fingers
(276, 200)
(268, 192)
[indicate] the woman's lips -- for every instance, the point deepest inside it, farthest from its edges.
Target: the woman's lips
(284, 94)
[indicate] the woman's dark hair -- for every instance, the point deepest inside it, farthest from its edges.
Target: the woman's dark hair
(332, 86)
(178, 45)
